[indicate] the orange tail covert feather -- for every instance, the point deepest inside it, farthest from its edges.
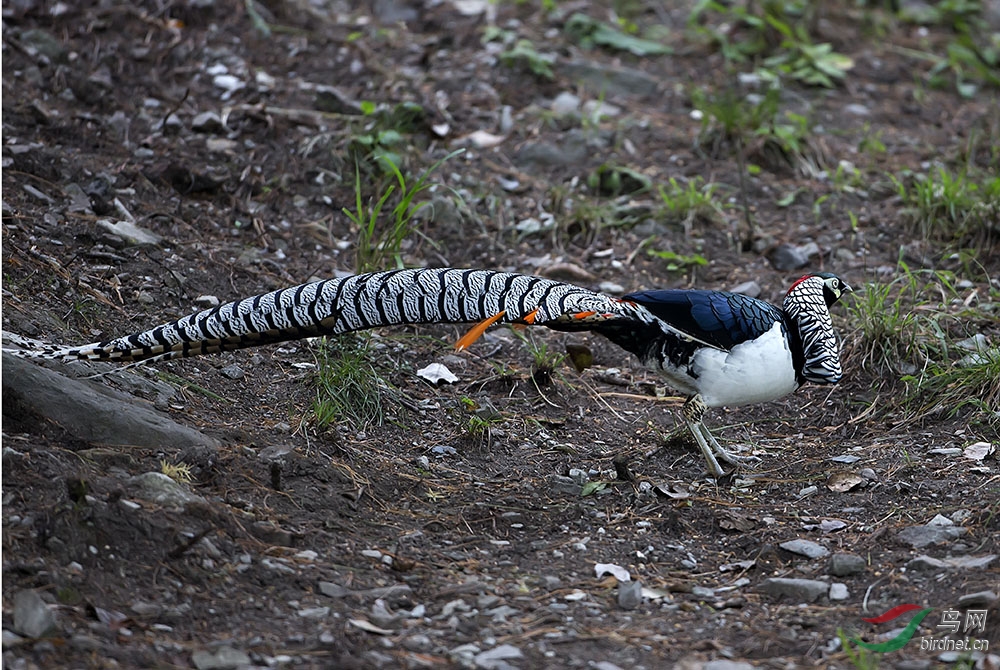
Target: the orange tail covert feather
(477, 331)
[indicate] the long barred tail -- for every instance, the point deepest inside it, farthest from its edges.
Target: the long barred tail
(359, 302)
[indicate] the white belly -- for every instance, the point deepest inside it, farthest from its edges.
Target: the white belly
(753, 372)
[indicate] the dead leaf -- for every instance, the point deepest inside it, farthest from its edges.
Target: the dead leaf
(843, 481)
(732, 520)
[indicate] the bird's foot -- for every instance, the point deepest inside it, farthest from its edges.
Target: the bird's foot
(714, 452)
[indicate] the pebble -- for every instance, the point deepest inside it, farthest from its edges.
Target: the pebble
(750, 288)
(565, 103)
(979, 598)
(843, 564)
(495, 658)
(206, 301)
(419, 642)
(929, 563)
(314, 612)
(130, 232)
(233, 372)
(629, 595)
(805, 548)
(598, 109)
(158, 488)
(723, 664)
(804, 590)
(787, 257)
(922, 536)
(222, 658)
(609, 80)
(207, 122)
(856, 109)
(611, 287)
(839, 591)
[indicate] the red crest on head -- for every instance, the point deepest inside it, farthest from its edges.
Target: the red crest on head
(798, 281)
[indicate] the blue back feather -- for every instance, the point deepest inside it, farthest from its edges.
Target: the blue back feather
(718, 318)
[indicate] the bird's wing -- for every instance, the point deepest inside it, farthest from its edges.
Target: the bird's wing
(715, 318)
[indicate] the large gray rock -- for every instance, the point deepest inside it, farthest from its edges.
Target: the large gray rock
(32, 615)
(90, 411)
(802, 590)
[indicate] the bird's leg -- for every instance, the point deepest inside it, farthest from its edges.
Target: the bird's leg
(694, 412)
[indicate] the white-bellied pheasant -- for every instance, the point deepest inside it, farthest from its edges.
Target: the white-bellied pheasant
(719, 348)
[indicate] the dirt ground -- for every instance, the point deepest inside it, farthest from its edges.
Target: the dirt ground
(422, 542)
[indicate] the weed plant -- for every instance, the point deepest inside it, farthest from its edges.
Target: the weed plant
(921, 332)
(951, 206)
(347, 386)
(379, 242)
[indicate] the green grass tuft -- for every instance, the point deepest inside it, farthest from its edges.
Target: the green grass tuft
(348, 386)
(941, 346)
(952, 206)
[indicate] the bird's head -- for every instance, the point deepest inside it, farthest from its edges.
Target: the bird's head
(832, 286)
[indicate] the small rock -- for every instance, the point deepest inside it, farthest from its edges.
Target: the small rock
(787, 257)
(222, 658)
(985, 598)
(38, 42)
(566, 485)
(922, 536)
(228, 83)
(629, 595)
(496, 658)
(172, 124)
(723, 664)
(977, 342)
(609, 80)
(233, 372)
(130, 232)
(750, 288)
(418, 642)
(839, 591)
(207, 122)
(611, 287)
(855, 109)
(314, 612)
(843, 564)
(332, 590)
(79, 200)
(804, 590)
(565, 103)
(702, 592)
(32, 616)
(929, 563)
(221, 145)
(805, 548)
(546, 155)
(82, 642)
(206, 301)
(598, 109)
(158, 488)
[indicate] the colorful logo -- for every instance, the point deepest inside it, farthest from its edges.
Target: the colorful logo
(900, 640)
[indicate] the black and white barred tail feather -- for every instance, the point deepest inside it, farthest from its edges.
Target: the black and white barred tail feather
(357, 302)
